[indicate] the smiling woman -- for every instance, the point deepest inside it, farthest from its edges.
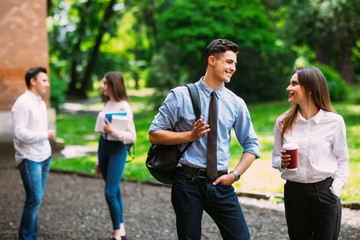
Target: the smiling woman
(295, 90)
(323, 156)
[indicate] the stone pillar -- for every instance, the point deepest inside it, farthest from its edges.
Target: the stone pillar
(23, 44)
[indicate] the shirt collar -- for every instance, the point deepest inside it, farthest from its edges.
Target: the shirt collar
(38, 98)
(317, 118)
(207, 90)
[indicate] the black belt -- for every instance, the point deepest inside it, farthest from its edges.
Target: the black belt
(199, 172)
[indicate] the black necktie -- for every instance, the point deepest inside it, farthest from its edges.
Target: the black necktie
(212, 139)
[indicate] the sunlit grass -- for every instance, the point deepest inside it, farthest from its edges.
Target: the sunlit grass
(352, 191)
(76, 129)
(80, 164)
(261, 177)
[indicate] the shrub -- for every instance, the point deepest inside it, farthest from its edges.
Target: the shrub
(57, 91)
(337, 87)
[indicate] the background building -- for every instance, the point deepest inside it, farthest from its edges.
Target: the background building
(23, 44)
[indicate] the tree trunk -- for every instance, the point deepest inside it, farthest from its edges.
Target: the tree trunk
(149, 12)
(137, 50)
(49, 6)
(136, 78)
(74, 75)
(343, 56)
(323, 51)
(344, 39)
(95, 51)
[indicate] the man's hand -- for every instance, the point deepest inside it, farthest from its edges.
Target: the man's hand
(167, 137)
(51, 134)
(199, 129)
(245, 161)
(227, 179)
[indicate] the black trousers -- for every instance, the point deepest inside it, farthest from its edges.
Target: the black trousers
(312, 211)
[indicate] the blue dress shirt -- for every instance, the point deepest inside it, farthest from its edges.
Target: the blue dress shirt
(176, 114)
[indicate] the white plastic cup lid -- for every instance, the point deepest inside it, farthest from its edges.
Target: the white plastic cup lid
(290, 146)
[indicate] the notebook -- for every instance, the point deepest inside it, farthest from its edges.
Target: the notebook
(119, 122)
(109, 115)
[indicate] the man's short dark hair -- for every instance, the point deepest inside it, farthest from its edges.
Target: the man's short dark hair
(31, 73)
(219, 46)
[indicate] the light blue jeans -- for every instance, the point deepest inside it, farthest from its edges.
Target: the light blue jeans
(112, 157)
(33, 175)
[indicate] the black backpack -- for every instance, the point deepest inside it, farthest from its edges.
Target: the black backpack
(162, 160)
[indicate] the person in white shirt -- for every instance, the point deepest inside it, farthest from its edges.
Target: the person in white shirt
(112, 153)
(312, 191)
(32, 148)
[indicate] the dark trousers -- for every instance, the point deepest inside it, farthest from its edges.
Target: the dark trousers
(112, 159)
(312, 211)
(191, 195)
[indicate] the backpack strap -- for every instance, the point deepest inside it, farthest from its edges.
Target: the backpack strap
(195, 99)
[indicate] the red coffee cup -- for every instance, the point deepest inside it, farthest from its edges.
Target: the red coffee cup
(292, 150)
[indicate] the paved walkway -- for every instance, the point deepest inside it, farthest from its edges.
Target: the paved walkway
(74, 208)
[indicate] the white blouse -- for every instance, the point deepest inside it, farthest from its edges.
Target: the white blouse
(128, 136)
(323, 150)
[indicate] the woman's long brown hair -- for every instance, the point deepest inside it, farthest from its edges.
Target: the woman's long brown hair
(116, 86)
(316, 89)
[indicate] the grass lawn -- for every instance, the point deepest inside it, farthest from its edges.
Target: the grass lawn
(78, 130)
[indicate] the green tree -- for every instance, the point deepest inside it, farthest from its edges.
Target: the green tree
(76, 33)
(184, 28)
(143, 35)
(103, 28)
(329, 28)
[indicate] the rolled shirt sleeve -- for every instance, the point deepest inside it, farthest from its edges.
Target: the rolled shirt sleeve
(244, 131)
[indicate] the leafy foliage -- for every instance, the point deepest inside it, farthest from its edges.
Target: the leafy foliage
(57, 90)
(329, 28)
(186, 27)
(160, 42)
(76, 30)
(337, 86)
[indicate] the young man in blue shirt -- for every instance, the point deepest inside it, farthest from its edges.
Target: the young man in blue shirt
(197, 188)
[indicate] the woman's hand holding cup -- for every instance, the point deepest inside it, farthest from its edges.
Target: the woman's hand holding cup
(289, 156)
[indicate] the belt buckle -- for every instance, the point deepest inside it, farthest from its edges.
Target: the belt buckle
(200, 171)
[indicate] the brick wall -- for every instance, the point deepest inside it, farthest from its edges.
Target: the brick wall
(23, 44)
